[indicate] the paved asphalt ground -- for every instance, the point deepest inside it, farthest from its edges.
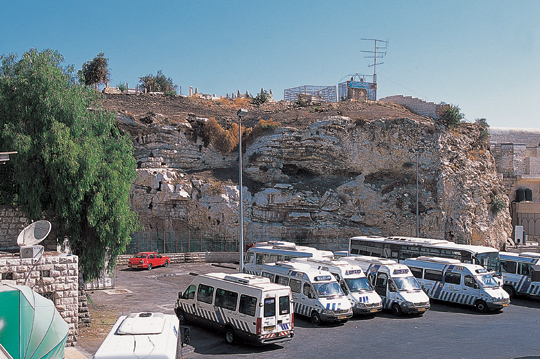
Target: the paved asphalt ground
(153, 290)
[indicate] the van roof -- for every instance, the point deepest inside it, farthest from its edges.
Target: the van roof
(245, 279)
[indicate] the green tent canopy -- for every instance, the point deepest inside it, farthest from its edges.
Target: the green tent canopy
(30, 325)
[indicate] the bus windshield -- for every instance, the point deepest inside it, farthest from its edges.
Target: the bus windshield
(490, 261)
(487, 281)
(330, 289)
(407, 284)
(358, 284)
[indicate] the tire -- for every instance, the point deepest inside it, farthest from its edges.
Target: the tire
(149, 266)
(396, 310)
(510, 290)
(481, 306)
(166, 264)
(230, 335)
(315, 318)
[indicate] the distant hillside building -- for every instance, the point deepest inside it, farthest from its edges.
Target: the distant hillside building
(326, 93)
(357, 90)
(517, 156)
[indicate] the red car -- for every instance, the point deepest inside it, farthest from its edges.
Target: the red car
(148, 260)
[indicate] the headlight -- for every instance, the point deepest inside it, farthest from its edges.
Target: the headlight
(360, 305)
(327, 311)
(408, 304)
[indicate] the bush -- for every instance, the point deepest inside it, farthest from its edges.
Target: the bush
(223, 140)
(498, 204)
(121, 87)
(261, 98)
(450, 115)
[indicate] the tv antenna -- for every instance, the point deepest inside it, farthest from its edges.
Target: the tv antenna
(378, 52)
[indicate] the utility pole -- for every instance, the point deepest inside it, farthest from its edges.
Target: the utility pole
(379, 51)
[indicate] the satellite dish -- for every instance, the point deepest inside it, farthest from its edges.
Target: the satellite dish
(34, 233)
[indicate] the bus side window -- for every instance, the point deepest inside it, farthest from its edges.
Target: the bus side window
(205, 293)
(416, 272)
(248, 305)
(226, 299)
(282, 280)
(452, 278)
(524, 269)
(508, 266)
(296, 285)
(249, 257)
(268, 275)
(433, 274)
(260, 259)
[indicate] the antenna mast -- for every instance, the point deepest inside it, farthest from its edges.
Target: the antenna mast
(379, 51)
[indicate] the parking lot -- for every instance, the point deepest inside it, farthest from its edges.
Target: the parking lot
(445, 331)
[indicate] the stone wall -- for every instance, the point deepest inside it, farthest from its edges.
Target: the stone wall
(54, 277)
(416, 105)
(12, 222)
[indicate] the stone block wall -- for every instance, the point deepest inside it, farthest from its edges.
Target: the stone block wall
(416, 105)
(54, 277)
(12, 222)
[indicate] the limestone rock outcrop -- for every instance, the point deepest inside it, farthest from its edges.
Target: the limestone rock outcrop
(323, 183)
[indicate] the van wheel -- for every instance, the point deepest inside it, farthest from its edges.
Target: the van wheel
(230, 336)
(315, 318)
(509, 290)
(396, 310)
(149, 266)
(481, 306)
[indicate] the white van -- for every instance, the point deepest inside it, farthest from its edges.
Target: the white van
(464, 283)
(399, 290)
(316, 293)
(277, 251)
(141, 335)
(353, 282)
(521, 273)
(243, 306)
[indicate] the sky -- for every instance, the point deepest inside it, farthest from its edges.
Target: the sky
(482, 56)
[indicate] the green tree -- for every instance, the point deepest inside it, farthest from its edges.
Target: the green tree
(73, 163)
(450, 115)
(262, 97)
(157, 83)
(95, 72)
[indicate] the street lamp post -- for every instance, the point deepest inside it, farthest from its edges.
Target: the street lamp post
(417, 212)
(241, 113)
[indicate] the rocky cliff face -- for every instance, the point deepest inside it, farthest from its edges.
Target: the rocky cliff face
(322, 182)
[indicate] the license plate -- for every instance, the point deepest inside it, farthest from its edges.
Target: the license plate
(421, 309)
(271, 327)
(342, 317)
(505, 305)
(373, 311)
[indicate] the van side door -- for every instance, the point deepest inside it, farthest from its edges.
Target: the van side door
(381, 283)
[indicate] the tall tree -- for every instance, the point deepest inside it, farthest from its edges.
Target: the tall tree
(73, 163)
(157, 83)
(96, 72)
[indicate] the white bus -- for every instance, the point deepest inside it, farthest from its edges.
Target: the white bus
(401, 248)
(243, 306)
(277, 251)
(521, 273)
(353, 282)
(399, 290)
(463, 283)
(316, 293)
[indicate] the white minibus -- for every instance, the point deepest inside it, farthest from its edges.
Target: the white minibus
(464, 283)
(141, 335)
(241, 305)
(353, 282)
(521, 273)
(276, 251)
(399, 290)
(316, 293)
